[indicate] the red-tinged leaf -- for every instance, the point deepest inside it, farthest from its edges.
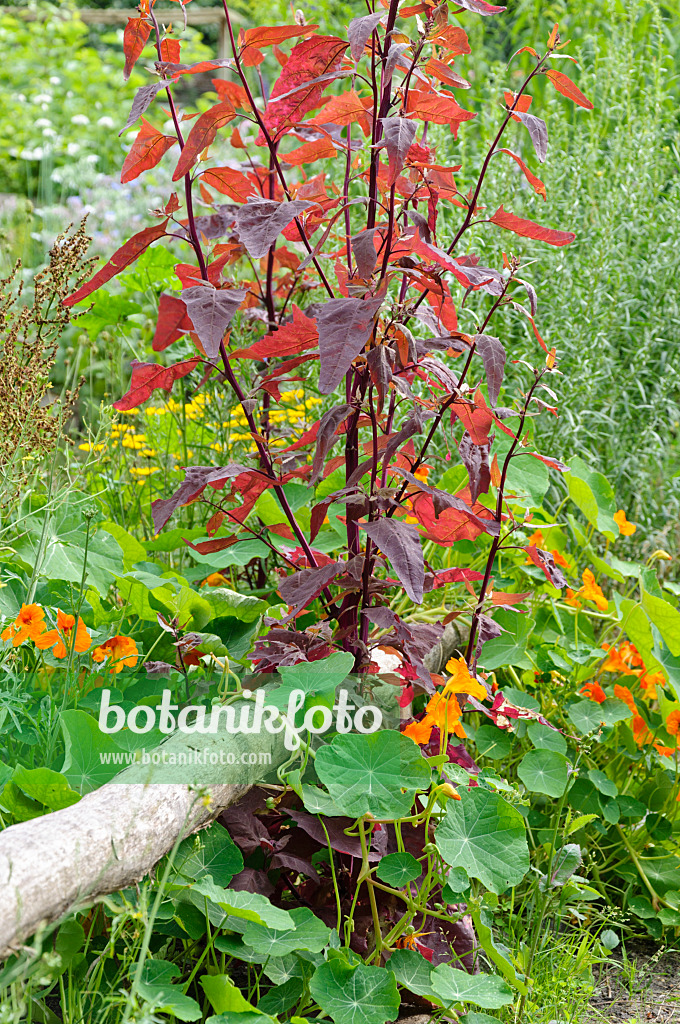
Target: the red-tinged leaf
(492, 352)
(211, 310)
(521, 103)
(476, 460)
(267, 35)
(261, 221)
(438, 109)
(452, 524)
(502, 598)
(480, 7)
(301, 588)
(360, 30)
(478, 422)
(122, 258)
(553, 463)
(453, 40)
(344, 109)
(135, 35)
(565, 85)
(365, 254)
(326, 437)
(144, 97)
(468, 276)
(538, 132)
(288, 340)
(147, 150)
(553, 37)
(210, 547)
(203, 132)
(440, 579)
(399, 135)
(150, 377)
(230, 183)
(536, 183)
(196, 479)
(445, 74)
(252, 57)
(401, 543)
(170, 50)
(320, 149)
(176, 71)
(310, 59)
(546, 562)
(231, 91)
(172, 322)
(344, 325)
(525, 49)
(528, 229)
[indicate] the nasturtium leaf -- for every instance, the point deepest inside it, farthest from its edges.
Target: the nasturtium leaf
(454, 985)
(84, 742)
(227, 603)
(157, 986)
(589, 716)
(544, 771)
(281, 998)
(211, 852)
(474, 1017)
(224, 996)
(46, 786)
(509, 648)
(398, 869)
(248, 906)
(594, 495)
(355, 993)
(545, 738)
(376, 773)
(602, 783)
(493, 742)
(412, 970)
(630, 807)
(486, 836)
(307, 932)
(664, 616)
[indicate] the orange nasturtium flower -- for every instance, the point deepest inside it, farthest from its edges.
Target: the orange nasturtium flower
(615, 661)
(594, 692)
(625, 528)
(571, 598)
(28, 625)
(624, 694)
(592, 592)
(641, 733)
(443, 709)
(59, 639)
(649, 682)
(215, 579)
(673, 723)
(122, 650)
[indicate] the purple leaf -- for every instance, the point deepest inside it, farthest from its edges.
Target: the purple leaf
(214, 225)
(345, 325)
(480, 7)
(364, 252)
(538, 132)
(380, 361)
(339, 840)
(401, 543)
(545, 561)
(412, 425)
(487, 630)
(143, 99)
(399, 134)
(261, 221)
(359, 30)
(301, 587)
(492, 352)
(476, 460)
(196, 480)
(325, 438)
(211, 310)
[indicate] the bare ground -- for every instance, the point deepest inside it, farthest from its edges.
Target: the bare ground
(643, 985)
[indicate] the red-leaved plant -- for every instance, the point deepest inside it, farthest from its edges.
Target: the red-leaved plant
(357, 277)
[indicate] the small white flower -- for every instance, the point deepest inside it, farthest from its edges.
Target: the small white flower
(106, 122)
(32, 154)
(43, 122)
(49, 133)
(91, 158)
(55, 80)
(80, 119)
(73, 148)
(42, 97)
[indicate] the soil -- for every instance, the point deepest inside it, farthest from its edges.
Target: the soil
(645, 988)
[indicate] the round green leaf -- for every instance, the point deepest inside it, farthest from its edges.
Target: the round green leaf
(365, 774)
(398, 869)
(544, 771)
(602, 783)
(453, 985)
(355, 994)
(493, 742)
(307, 932)
(486, 836)
(545, 738)
(412, 970)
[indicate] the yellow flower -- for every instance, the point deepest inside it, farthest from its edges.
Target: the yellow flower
(87, 447)
(625, 528)
(143, 470)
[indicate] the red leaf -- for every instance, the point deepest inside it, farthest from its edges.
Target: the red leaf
(546, 562)
(196, 479)
(478, 422)
(326, 437)
(565, 85)
(202, 134)
(438, 109)
(523, 102)
(453, 40)
(492, 352)
(149, 377)
(289, 340)
(267, 35)
(359, 31)
(320, 149)
(172, 322)
(452, 524)
(230, 183)
(136, 33)
(147, 149)
(536, 183)
(122, 258)
(170, 51)
(528, 229)
(444, 73)
(440, 579)
(343, 110)
(310, 59)
(227, 90)
(300, 588)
